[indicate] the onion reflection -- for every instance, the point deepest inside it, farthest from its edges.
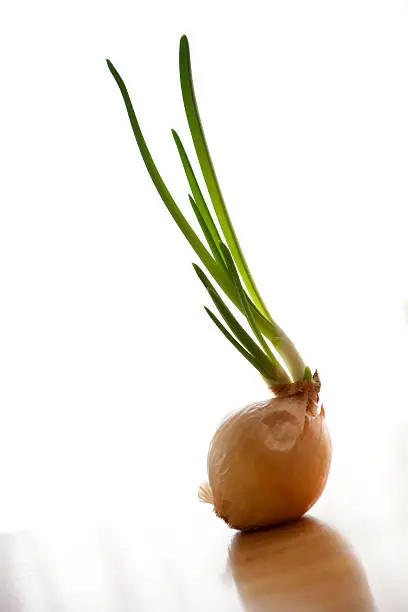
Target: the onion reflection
(302, 567)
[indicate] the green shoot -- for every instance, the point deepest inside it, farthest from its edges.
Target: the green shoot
(196, 191)
(207, 168)
(270, 364)
(237, 345)
(244, 300)
(226, 265)
(308, 374)
(208, 236)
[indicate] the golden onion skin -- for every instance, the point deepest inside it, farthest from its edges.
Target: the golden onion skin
(269, 462)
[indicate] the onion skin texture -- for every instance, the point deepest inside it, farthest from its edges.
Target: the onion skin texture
(269, 462)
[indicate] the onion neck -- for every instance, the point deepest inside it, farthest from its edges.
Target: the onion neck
(299, 387)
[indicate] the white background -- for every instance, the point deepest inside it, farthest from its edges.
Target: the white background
(112, 377)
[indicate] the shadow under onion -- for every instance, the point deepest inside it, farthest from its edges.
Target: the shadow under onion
(301, 567)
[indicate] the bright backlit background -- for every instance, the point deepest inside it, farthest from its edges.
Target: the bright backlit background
(112, 377)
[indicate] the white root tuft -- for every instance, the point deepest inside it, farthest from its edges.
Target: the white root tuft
(205, 494)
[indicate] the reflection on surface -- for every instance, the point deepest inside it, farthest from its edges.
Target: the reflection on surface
(305, 566)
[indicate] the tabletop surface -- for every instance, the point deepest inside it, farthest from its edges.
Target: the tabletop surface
(139, 543)
(304, 566)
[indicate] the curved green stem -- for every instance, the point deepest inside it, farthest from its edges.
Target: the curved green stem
(253, 307)
(210, 177)
(283, 344)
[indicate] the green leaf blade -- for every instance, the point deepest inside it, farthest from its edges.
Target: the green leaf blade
(237, 345)
(214, 266)
(210, 177)
(195, 189)
(207, 234)
(216, 271)
(274, 370)
(244, 301)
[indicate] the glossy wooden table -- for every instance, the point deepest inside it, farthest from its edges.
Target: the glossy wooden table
(304, 566)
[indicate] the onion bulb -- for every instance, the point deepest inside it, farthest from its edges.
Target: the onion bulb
(269, 462)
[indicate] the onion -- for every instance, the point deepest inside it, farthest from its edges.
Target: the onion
(269, 462)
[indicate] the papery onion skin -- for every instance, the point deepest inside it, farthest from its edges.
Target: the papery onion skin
(269, 462)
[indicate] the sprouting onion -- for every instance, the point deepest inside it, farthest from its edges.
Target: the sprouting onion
(269, 462)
